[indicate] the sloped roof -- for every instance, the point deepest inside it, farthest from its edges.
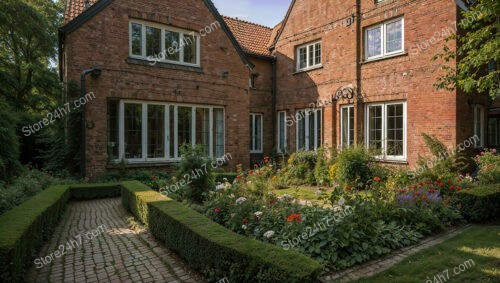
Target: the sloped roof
(74, 8)
(253, 38)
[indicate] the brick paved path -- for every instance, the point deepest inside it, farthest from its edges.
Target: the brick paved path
(378, 265)
(116, 255)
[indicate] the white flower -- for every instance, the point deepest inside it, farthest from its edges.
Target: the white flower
(287, 197)
(220, 186)
(244, 227)
(269, 234)
(280, 199)
(258, 214)
(241, 200)
(225, 180)
(233, 215)
(319, 192)
(231, 196)
(341, 201)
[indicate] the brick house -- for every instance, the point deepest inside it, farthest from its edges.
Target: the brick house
(332, 73)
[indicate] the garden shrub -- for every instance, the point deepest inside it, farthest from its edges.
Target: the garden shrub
(26, 227)
(353, 167)
(322, 166)
(220, 176)
(95, 191)
(489, 167)
(153, 179)
(196, 170)
(479, 204)
(9, 151)
(212, 249)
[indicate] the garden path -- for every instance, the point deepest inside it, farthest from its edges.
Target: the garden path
(113, 253)
(378, 265)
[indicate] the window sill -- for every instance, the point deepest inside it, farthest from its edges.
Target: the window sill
(393, 161)
(165, 65)
(308, 69)
(384, 58)
(140, 164)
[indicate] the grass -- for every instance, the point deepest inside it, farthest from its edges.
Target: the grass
(307, 194)
(479, 243)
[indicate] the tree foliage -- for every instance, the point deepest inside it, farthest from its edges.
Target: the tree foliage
(9, 151)
(477, 52)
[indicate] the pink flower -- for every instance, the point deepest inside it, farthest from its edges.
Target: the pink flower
(216, 210)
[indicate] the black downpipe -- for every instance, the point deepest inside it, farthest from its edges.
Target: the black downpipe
(273, 106)
(358, 67)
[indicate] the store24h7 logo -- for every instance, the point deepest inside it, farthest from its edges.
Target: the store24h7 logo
(464, 5)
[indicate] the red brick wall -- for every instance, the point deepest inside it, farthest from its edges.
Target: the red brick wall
(104, 41)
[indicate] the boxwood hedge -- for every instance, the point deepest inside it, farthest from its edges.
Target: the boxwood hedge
(480, 204)
(212, 249)
(26, 227)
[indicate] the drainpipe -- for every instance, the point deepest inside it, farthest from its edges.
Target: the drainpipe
(95, 72)
(358, 69)
(273, 104)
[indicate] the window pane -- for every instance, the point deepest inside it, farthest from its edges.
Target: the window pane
(258, 132)
(184, 122)
(375, 127)
(317, 54)
(153, 41)
(137, 39)
(171, 122)
(351, 126)
(282, 131)
(311, 55)
(346, 126)
(219, 131)
(302, 57)
(156, 131)
(301, 130)
(395, 133)
(374, 42)
(190, 49)
(319, 114)
(133, 131)
(203, 128)
(113, 133)
(172, 45)
(394, 35)
(310, 134)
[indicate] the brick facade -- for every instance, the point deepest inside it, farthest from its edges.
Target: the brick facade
(409, 77)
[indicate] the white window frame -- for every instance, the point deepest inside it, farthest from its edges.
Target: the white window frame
(282, 150)
(164, 28)
(313, 113)
(308, 67)
(253, 146)
(383, 40)
(479, 110)
(384, 156)
(168, 138)
(342, 123)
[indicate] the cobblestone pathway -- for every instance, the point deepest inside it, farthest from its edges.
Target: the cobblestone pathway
(376, 266)
(113, 253)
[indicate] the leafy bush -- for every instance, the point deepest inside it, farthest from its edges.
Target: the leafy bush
(322, 166)
(9, 151)
(479, 204)
(196, 170)
(489, 167)
(26, 186)
(300, 168)
(95, 191)
(220, 176)
(211, 248)
(353, 167)
(155, 180)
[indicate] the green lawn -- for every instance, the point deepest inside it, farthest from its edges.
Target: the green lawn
(303, 193)
(479, 243)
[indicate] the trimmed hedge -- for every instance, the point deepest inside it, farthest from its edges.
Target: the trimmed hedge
(26, 227)
(480, 204)
(95, 191)
(212, 249)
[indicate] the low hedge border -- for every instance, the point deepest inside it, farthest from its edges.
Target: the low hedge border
(212, 249)
(26, 227)
(480, 204)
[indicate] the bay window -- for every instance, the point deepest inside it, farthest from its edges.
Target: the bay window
(386, 130)
(309, 129)
(152, 132)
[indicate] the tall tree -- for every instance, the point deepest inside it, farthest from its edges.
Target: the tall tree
(477, 54)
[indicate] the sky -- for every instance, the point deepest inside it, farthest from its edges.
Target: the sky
(264, 12)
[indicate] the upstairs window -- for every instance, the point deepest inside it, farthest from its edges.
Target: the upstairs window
(158, 43)
(384, 39)
(308, 56)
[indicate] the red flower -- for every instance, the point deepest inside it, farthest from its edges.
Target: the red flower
(250, 172)
(347, 188)
(260, 173)
(451, 187)
(376, 179)
(294, 216)
(216, 210)
(402, 190)
(256, 165)
(266, 159)
(272, 201)
(245, 220)
(239, 177)
(421, 184)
